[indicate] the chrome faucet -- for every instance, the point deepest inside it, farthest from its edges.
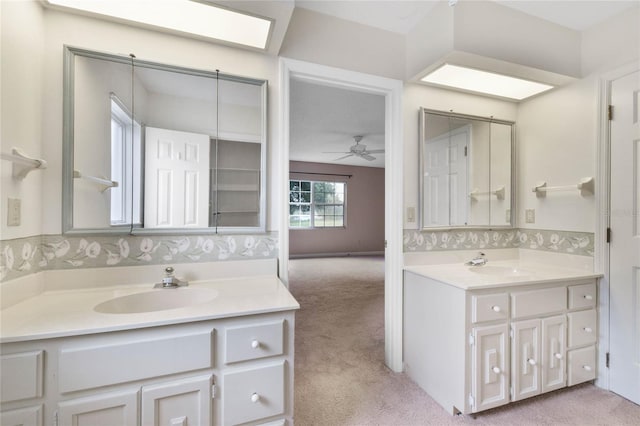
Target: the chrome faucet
(479, 260)
(170, 280)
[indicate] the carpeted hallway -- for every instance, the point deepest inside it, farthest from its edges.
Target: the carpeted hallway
(340, 377)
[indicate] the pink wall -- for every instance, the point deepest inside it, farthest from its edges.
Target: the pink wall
(364, 231)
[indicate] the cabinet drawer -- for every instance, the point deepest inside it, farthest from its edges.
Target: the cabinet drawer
(254, 341)
(582, 365)
(112, 361)
(489, 307)
(21, 376)
(253, 394)
(538, 302)
(582, 296)
(582, 327)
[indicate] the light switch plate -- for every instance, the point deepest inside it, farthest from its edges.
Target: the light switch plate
(530, 216)
(13, 212)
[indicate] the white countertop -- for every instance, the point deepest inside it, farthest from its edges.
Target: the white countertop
(501, 273)
(71, 312)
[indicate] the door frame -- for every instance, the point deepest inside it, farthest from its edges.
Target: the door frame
(603, 215)
(392, 91)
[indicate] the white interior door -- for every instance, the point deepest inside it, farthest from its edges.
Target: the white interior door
(624, 271)
(176, 179)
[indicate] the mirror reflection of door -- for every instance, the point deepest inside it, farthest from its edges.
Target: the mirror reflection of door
(445, 177)
(176, 179)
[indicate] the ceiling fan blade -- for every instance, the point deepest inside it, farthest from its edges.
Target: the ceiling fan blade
(375, 151)
(368, 157)
(342, 158)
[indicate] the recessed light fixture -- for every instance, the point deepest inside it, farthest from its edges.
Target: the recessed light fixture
(186, 16)
(485, 82)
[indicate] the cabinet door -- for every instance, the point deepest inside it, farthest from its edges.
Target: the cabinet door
(30, 416)
(553, 353)
(184, 402)
(525, 358)
(490, 367)
(107, 409)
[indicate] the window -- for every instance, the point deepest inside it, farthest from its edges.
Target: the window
(316, 204)
(125, 145)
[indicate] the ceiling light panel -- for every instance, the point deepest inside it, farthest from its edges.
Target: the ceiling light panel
(485, 82)
(186, 16)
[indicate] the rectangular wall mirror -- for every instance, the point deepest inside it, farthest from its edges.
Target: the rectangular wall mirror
(150, 147)
(466, 171)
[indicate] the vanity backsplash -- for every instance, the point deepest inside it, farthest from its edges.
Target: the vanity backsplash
(29, 255)
(579, 243)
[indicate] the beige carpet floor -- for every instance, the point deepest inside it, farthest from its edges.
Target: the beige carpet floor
(341, 379)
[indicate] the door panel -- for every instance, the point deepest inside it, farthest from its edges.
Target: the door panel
(553, 352)
(624, 274)
(490, 367)
(525, 357)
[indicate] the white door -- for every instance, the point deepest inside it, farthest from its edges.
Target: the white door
(552, 356)
(445, 179)
(525, 358)
(490, 367)
(176, 179)
(104, 409)
(624, 274)
(185, 402)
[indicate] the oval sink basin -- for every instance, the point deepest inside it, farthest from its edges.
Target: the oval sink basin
(500, 271)
(156, 300)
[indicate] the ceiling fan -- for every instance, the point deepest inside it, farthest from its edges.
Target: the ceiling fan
(358, 151)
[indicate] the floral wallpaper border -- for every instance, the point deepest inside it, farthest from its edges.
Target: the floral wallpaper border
(29, 255)
(579, 243)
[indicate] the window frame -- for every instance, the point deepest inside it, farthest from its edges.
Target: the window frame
(312, 205)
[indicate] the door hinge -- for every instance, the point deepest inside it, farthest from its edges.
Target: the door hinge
(465, 151)
(471, 401)
(607, 359)
(610, 112)
(213, 391)
(472, 340)
(55, 418)
(511, 333)
(385, 243)
(608, 235)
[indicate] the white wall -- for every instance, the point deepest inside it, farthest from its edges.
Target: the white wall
(22, 38)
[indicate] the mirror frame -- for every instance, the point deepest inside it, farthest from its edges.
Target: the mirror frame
(68, 146)
(423, 112)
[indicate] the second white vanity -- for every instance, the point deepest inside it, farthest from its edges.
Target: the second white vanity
(478, 337)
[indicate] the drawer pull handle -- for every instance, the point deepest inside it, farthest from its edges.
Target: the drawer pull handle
(496, 370)
(496, 308)
(588, 297)
(587, 367)
(531, 361)
(255, 344)
(588, 329)
(255, 397)
(558, 355)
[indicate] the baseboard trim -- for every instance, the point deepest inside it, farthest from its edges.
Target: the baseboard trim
(340, 254)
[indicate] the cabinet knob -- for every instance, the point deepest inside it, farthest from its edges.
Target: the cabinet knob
(496, 370)
(255, 397)
(255, 344)
(587, 367)
(558, 355)
(496, 308)
(531, 361)
(588, 297)
(588, 329)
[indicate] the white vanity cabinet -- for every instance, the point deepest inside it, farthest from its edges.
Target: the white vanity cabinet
(473, 348)
(226, 371)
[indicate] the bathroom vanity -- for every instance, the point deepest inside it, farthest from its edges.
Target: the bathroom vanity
(478, 337)
(224, 358)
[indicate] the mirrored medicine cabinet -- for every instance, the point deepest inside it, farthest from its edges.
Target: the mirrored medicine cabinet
(155, 148)
(466, 171)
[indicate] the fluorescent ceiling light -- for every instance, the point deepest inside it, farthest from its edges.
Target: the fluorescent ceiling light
(186, 16)
(485, 82)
